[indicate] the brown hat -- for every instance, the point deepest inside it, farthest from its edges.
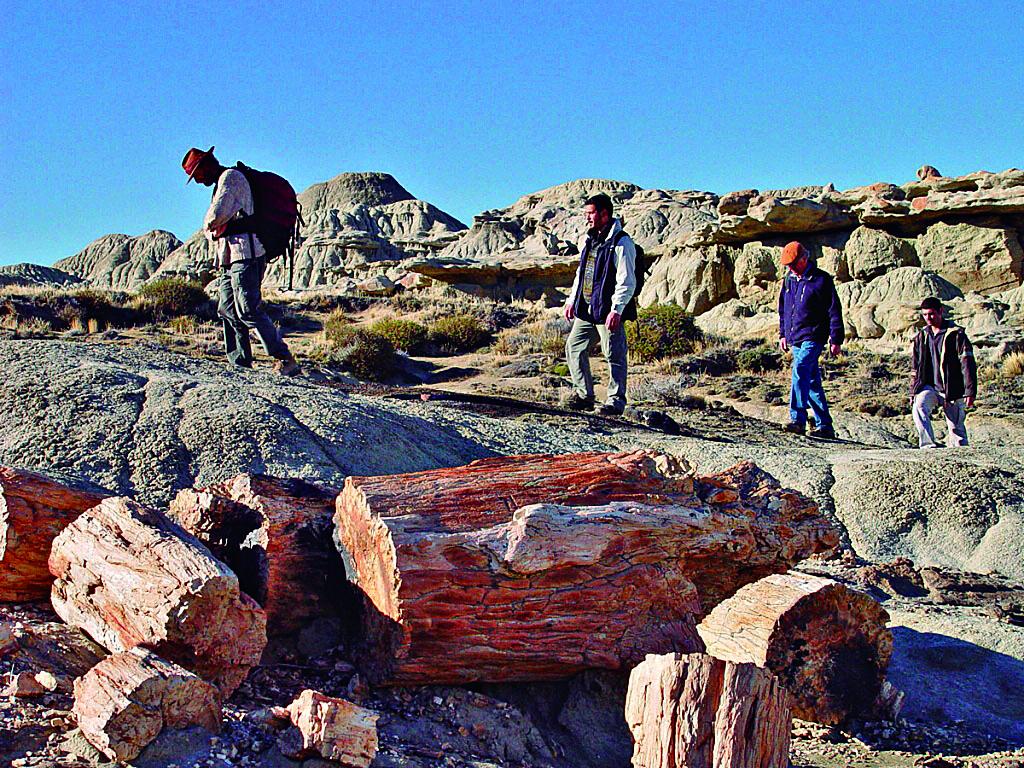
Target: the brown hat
(192, 160)
(792, 252)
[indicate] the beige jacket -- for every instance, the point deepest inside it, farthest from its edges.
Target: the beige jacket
(232, 197)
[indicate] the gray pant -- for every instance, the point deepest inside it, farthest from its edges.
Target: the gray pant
(240, 306)
(613, 346)
(956, 414)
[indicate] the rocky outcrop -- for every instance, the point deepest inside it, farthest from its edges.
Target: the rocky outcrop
(119, 261)
(974, 258)
(128, 576)
(332, 729)
(696, 279)
(36, 276)
(890, 302)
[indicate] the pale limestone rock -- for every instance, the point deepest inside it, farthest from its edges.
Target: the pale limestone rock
(895, 296)
(694, 278)
(736, 319)
(870, 253)
(972, 257)
(128, 576)
(376, 286)
(334, 729)
(125, 701)
(119, 261)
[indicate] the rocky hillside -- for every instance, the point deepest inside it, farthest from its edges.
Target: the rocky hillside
(34, 275)
(354, 222)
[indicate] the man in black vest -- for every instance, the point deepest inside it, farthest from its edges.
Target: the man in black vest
(600, 299)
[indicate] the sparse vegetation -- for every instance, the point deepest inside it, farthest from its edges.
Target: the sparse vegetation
(662, 330)
(335, 324)
(544, 336)
(172, 297)
(459, 333)
(406, 335)
(366, 354)
(759, 359)
(1013, 365)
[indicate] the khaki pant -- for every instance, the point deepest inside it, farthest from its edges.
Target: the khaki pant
(955, 413)
(613, 346)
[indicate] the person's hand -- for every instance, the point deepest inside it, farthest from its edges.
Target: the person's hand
(613, 321)
(783, 346)
(835, 349)
(568, 311)
(969, 402)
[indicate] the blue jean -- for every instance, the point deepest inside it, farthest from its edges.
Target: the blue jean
(240, 307)
(806, 390)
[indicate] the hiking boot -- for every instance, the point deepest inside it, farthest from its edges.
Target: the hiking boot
(286, 367)
(611, 409)
(825, 433)
(793, 427)
(577, 403)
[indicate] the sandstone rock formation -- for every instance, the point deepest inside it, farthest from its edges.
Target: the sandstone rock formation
(34, 508)
(696, 711)
(126, 700)
(119, 261)
(333, 729)
(276, 535)
(129, 577)
(464, 580)
(827, 645)
(34, 275)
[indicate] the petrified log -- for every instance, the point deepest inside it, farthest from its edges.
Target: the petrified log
(124, 702)
(33, 510)
(276, 535)
(827, 643)
(462, 581)
(333, 729)
(697, 711)
(129, 576)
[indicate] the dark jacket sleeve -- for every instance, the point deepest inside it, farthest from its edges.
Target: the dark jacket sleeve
(836, 329)
(782, 308)
(968, 364)
(915, 364)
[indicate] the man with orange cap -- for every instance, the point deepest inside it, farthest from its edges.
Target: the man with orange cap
(810, 317)
(241, 256)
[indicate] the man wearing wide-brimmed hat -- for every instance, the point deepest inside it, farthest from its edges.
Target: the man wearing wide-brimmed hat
(241, 256)
(810, 317)
(943, 372)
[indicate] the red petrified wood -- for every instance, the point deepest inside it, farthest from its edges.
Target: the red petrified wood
(276, 535)
(33, 510)
(827, 643)
(697, 711)
(128, 576)
(536, 567)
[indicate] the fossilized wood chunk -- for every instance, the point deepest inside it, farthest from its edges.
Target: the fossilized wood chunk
(33, 510)
(696, 711)
(129, 576)
(276, 535)
(334, 729)
(466, 576)
(124, 702)
(827, 643)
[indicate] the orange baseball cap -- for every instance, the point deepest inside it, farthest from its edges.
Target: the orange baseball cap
(792, 252)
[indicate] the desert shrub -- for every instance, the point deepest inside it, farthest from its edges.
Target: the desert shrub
(406, 335)
(184, 325)
(92, 310)
(336, 323)
(172, 297)
(1013, 365)
(715, 361)
(662, 330)
(366, 354)
(560, 369)
(459, 333)
(760, 359)
(545, 336)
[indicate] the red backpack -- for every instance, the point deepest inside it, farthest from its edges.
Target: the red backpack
(277, 214)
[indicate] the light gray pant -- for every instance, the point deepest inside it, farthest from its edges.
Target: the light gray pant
(955, 413)
(613, 346)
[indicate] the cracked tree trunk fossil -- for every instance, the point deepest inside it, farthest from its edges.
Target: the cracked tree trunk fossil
(697, 711)
(536, 567)
(828, 644)
(128, 576)
(33, 510)
(275, 534)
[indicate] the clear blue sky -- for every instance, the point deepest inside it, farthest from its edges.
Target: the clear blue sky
(472, 104)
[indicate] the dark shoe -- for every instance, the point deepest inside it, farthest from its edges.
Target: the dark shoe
(287, 367)
(608, 409)
(826, 433)
(577, 403)
(796, 429)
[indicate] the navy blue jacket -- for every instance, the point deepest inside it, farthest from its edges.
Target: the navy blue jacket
(809, 309)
